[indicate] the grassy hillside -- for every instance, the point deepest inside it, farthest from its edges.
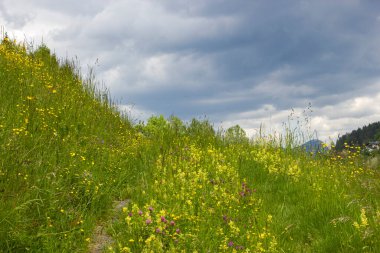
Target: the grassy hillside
(63, 153)
(68, 158)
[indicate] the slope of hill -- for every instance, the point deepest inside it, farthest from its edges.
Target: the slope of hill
(60, 150)
(66, 154)
(360, 137)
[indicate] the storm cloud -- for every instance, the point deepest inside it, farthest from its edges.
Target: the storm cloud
(237, 62)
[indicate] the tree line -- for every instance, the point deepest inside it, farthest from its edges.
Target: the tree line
(360, 137)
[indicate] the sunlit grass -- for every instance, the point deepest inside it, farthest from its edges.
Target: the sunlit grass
(66, 156)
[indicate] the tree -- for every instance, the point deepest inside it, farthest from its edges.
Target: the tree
(202, 132)
(360, 136)
(177, 125)
(236, 134)
(156, 126)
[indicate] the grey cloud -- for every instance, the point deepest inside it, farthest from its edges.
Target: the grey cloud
(72, 7)
(320, 48)
(14, 20)
(223, 58)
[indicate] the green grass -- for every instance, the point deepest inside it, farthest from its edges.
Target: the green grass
(67, 156)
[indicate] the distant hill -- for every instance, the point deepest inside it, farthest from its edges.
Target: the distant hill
(313, 146)
(361, 136)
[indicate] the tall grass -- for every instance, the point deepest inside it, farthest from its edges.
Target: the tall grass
(67, 154)
(63, 151)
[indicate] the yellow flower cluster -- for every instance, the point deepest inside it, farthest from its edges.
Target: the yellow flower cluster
(277, 162)
(192, 188)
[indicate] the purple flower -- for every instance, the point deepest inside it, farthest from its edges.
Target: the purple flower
(140, 212)
(178, 231)
(148, 221)
(130, 214)
(158, 230)
(163, 219)
(230, 244)
(172, 223)
(150, 209)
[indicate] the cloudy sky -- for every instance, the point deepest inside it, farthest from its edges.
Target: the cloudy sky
(246, 62)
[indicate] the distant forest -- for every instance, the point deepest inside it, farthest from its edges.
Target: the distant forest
(360, 136)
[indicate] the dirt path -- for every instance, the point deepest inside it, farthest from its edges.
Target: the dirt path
(100, 239)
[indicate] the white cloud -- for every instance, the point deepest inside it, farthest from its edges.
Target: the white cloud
(220, 58)
(156, 68)
(329, 121)
(146, 74)
(136, 113)
(153, 27)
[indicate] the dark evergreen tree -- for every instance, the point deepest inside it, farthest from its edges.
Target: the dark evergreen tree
(359, 137)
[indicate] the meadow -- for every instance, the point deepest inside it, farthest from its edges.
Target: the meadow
(71, 164)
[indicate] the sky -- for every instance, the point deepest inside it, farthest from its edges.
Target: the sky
(256, 63)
